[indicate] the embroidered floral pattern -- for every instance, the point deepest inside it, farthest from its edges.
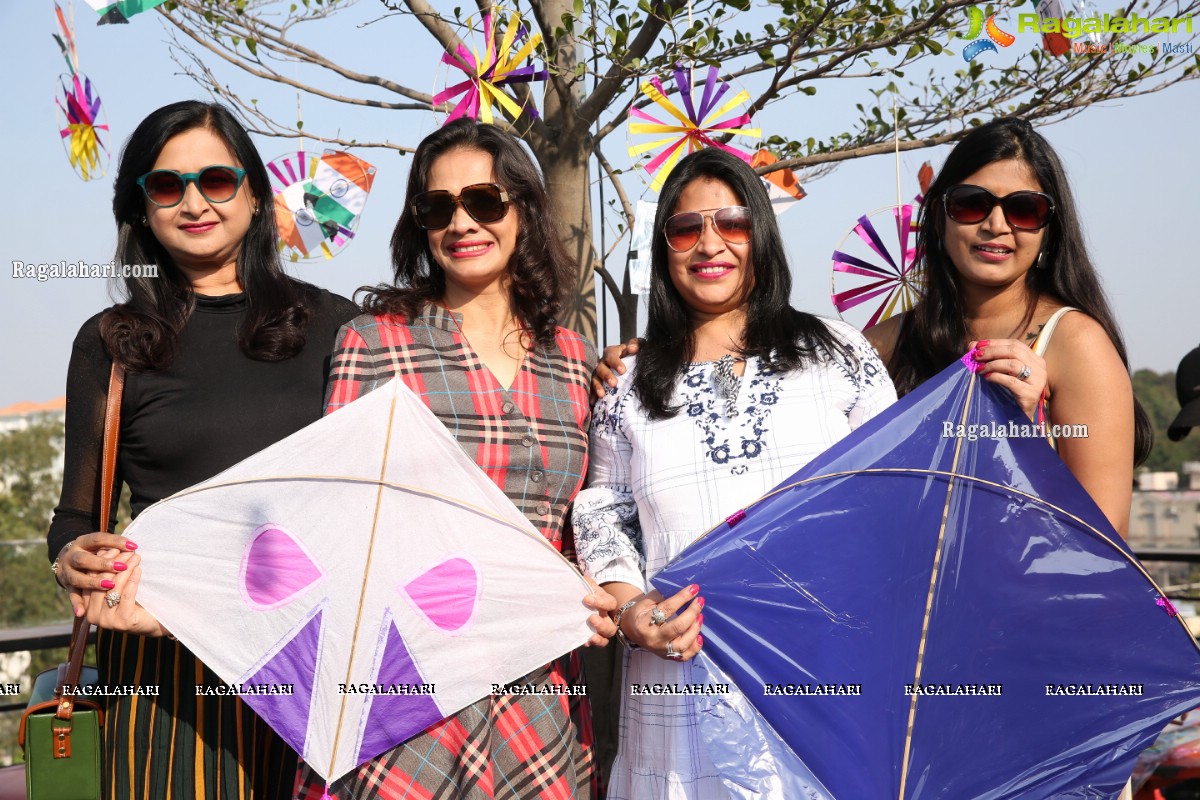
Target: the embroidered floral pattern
(731, 439)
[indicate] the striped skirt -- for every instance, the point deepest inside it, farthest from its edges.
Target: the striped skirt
(178, 744)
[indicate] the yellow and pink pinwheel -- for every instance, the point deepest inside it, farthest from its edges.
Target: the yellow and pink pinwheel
(488, 74)
(700, 123)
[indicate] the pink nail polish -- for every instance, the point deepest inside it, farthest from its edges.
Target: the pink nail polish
(130, 545)
(700, 602)
(700, 620)
(107, 584)
(119, 567)
(983, 343)
(695, 587)
(700, 641)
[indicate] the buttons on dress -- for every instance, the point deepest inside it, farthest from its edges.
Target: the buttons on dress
(536, 476)
(527, 440)
(543, 509)
(507, 408)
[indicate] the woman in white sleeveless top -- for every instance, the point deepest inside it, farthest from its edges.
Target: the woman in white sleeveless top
(1007, 270)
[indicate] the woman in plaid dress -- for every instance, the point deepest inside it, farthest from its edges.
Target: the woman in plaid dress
(472, 332)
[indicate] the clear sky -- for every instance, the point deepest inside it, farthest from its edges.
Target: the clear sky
(1133, 167)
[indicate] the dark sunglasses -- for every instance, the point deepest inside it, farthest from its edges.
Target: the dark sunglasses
(166, 187)
(1025, 211)
(485, 202)
(683, 231)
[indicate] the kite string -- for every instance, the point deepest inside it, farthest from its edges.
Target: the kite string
(896, 137)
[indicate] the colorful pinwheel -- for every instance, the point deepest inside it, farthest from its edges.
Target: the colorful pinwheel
(81, 122)
(488, 75)
(859, 276)
(699, 123)
(319, 200)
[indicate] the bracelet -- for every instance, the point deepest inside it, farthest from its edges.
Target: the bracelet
(55, 567)
(621, 637)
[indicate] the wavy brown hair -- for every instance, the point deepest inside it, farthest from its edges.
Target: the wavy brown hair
(143, 331)
(540, 265)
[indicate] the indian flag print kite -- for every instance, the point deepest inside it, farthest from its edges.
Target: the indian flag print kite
(318, 201)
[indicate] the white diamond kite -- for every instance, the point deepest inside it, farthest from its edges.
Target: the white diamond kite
(367, 563)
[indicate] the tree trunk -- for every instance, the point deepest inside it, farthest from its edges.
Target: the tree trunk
(564, 163)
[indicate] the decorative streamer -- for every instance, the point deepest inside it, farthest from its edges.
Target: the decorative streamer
(696, 124)
(489, 73)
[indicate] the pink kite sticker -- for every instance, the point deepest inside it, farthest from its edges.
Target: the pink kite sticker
(446, 594)
(276, 568)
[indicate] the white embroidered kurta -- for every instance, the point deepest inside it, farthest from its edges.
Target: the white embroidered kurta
(655, 485)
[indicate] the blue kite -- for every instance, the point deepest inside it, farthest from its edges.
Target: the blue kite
(933, 608)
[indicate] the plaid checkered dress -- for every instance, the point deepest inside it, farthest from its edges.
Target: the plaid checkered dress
(531, 440)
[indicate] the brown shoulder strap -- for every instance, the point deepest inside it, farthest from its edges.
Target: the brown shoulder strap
(108, 470)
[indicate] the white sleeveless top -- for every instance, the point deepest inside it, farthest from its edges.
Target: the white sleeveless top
(1039, 347)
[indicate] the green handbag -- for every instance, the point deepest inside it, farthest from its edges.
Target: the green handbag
(61, 735)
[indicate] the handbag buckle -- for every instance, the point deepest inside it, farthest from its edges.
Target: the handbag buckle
(62, 740)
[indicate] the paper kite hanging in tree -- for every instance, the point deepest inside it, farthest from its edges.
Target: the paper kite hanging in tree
(697, 125)
(82, 124)
(319, 200)
(121, 10)
(488, 74)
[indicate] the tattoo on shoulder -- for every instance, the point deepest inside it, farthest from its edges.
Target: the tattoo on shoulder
(1031, 336)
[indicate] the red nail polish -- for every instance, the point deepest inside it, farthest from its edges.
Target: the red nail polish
(700, 641)
(700, 602)
(695, 587)
(107, 584)
(130, 545)
(700, 620)
(983, 343)
(119, 567)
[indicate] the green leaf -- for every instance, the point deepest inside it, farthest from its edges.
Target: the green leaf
(252, 45)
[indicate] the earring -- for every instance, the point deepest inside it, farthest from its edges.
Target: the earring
(145, 222)
(1037, 262)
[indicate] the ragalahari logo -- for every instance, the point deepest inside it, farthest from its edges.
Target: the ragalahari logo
(996, 36)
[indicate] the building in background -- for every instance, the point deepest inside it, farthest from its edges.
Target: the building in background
(1167, 516)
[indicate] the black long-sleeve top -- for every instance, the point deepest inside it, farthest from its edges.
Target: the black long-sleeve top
(213, 407)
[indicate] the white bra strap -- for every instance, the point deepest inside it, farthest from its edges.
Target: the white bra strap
(1043, 338)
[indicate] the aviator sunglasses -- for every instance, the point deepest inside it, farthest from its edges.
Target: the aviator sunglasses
(683, 231)
(1025, 210)
(166, 187)
(485, 202)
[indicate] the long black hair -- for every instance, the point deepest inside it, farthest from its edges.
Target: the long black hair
(540, 265)
(142, 332)
(775, 332)
(935, 333)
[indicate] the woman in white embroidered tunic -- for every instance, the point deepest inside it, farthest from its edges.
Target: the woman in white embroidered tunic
(732, 391)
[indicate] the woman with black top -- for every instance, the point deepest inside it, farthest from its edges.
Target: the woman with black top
(225, 355)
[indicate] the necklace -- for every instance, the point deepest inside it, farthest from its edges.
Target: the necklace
(728, 383)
